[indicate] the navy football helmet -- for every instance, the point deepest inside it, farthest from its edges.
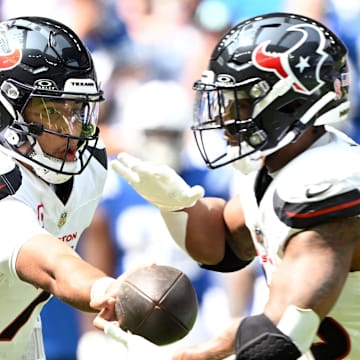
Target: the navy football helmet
(48, 86)
(285, 71)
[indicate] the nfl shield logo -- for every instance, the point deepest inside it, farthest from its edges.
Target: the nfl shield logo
(62, 219)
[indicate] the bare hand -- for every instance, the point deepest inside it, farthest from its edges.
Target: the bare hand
(210, 350)
(221, 347)
(106, 303)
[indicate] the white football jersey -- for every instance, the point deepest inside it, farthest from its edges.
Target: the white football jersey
(319, 185)
(28, 207)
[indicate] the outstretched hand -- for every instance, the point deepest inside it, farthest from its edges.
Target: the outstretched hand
(221, 347)
(137, 347)
(106, 321)
(201, 352)
(158, 184)
(104, 299)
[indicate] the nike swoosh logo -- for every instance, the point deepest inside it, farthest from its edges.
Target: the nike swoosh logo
(316, 190)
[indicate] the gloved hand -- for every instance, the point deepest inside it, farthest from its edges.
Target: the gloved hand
(136, 346)
(158, 184)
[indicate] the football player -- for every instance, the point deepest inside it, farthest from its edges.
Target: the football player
(53, 168)
(273, 85)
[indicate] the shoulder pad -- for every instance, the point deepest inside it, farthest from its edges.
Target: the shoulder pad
(6, 163)
(319, 185)
(10, 176)
(99, 152)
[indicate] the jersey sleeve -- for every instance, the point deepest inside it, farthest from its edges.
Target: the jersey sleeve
(19, 224)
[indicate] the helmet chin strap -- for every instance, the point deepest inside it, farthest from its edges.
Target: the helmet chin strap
(304, 120)
(247, 164)
(50, 176)
(254, 161)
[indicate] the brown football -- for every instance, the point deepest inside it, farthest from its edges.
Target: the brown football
(158, 303)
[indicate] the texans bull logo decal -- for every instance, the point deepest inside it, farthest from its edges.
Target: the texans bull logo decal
(292, 62)
(10, 60)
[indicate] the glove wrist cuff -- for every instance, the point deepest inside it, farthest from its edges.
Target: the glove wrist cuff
(176, 223)
(100, 286)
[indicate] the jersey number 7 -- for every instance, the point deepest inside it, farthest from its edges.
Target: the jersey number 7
(11, 330)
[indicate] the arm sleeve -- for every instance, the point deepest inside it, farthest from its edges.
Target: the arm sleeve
(19, 224)
(229, 263)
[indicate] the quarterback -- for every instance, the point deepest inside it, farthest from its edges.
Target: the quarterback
(273, 87)
(52, 172)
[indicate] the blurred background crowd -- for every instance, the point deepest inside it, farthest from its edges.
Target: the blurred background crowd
(148, 53)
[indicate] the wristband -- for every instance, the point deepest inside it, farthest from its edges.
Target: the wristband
(300, 325)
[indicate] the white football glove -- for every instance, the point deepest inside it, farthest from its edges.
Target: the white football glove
(158, 184)
(136, 346)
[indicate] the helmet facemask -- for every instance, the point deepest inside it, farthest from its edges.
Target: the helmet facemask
(226, 113)
(52, 133)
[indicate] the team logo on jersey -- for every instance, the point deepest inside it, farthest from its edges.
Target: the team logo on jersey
(62, 220)
(40, 214)
(291, 64)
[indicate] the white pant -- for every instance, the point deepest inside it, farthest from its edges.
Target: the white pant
(35, 349)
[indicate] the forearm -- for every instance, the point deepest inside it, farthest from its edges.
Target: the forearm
(314, 269)
(199, 230)
(238, 237)
(74, 289)
(206, 231)
(48, 264)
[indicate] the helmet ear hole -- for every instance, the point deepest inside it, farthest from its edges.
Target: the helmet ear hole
(14, 138)
(292, 106)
